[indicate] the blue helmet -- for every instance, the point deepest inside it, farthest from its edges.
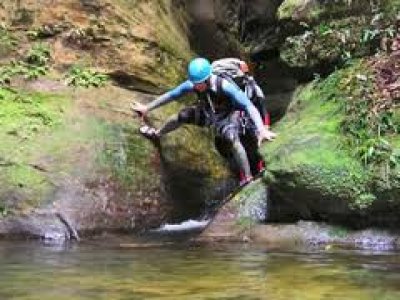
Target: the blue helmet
(199, 69)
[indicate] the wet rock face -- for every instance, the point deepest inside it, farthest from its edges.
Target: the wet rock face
(233, 25)
(46, 227)
(206, 38)
(304, 202)
(93, 168)
(233, 220)
(247, 29)
(111, 35)
(252, 23)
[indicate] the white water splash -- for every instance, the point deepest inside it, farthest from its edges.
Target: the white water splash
(184, 226)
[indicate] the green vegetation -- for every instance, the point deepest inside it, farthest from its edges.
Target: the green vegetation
(33, 65)
(3, 210)
(340, 136)
(368, 122)
(23, 115)
(38, 55)
(8, 42)
(339, 140)
(79, 76)
(24, 119)
(314, 11)
(310, 149)
(391, 7)
(337, 41)
(126, 154)
(333, 42)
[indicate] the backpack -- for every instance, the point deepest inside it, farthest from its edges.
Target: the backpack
(232, 69)
(236, 71)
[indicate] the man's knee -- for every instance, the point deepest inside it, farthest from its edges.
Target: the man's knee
(230, 134)
(186, 115)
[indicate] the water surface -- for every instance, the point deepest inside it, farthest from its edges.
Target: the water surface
(106, 270)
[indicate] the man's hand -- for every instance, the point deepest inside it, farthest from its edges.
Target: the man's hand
(266, 135)
(139, 108)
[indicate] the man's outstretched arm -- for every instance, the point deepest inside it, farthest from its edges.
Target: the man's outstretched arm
(169, 96)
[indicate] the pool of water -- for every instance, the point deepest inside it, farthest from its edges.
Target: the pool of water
(112, 268)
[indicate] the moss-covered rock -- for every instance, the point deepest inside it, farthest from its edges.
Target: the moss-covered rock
(327, 45)
(143, 39)
(314, 168)
(335, 31)
(24, 117)
(77, 151)
(72, 152)
(315, 11)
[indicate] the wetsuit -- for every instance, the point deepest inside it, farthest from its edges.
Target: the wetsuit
(247, 129)
(249, 137)
(218, 108)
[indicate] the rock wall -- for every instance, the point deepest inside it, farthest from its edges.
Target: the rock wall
(77, 151)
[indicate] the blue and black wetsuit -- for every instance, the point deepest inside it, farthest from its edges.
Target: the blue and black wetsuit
(218, 108)
(215, 105)
(247, 128)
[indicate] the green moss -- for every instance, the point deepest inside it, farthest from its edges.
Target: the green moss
(318, 140)
(191, 143)
(7, 42)
(26, 185)
(126, 154)
(306, 10)
(46, 139)
(312, 11)
(310, 144)
(287, 9)
(309, 121)
(310, 147)
(332, 42)
(391, 6)
(24, 119)
(23, 116)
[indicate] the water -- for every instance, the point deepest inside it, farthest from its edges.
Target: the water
(117, 269)
(189, 225)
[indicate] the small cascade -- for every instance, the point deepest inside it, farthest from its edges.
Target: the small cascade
(247, 208)
(185, 226)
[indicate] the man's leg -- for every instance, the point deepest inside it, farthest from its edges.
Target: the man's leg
(250, 143)
(185, 116)
(170, 125)
(228, 131)
(239, 153)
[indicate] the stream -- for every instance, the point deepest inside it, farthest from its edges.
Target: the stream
(124, 268)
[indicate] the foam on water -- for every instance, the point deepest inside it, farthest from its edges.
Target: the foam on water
(184, 226)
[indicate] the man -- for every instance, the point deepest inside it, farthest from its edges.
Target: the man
(219, 103)
(237, 71)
